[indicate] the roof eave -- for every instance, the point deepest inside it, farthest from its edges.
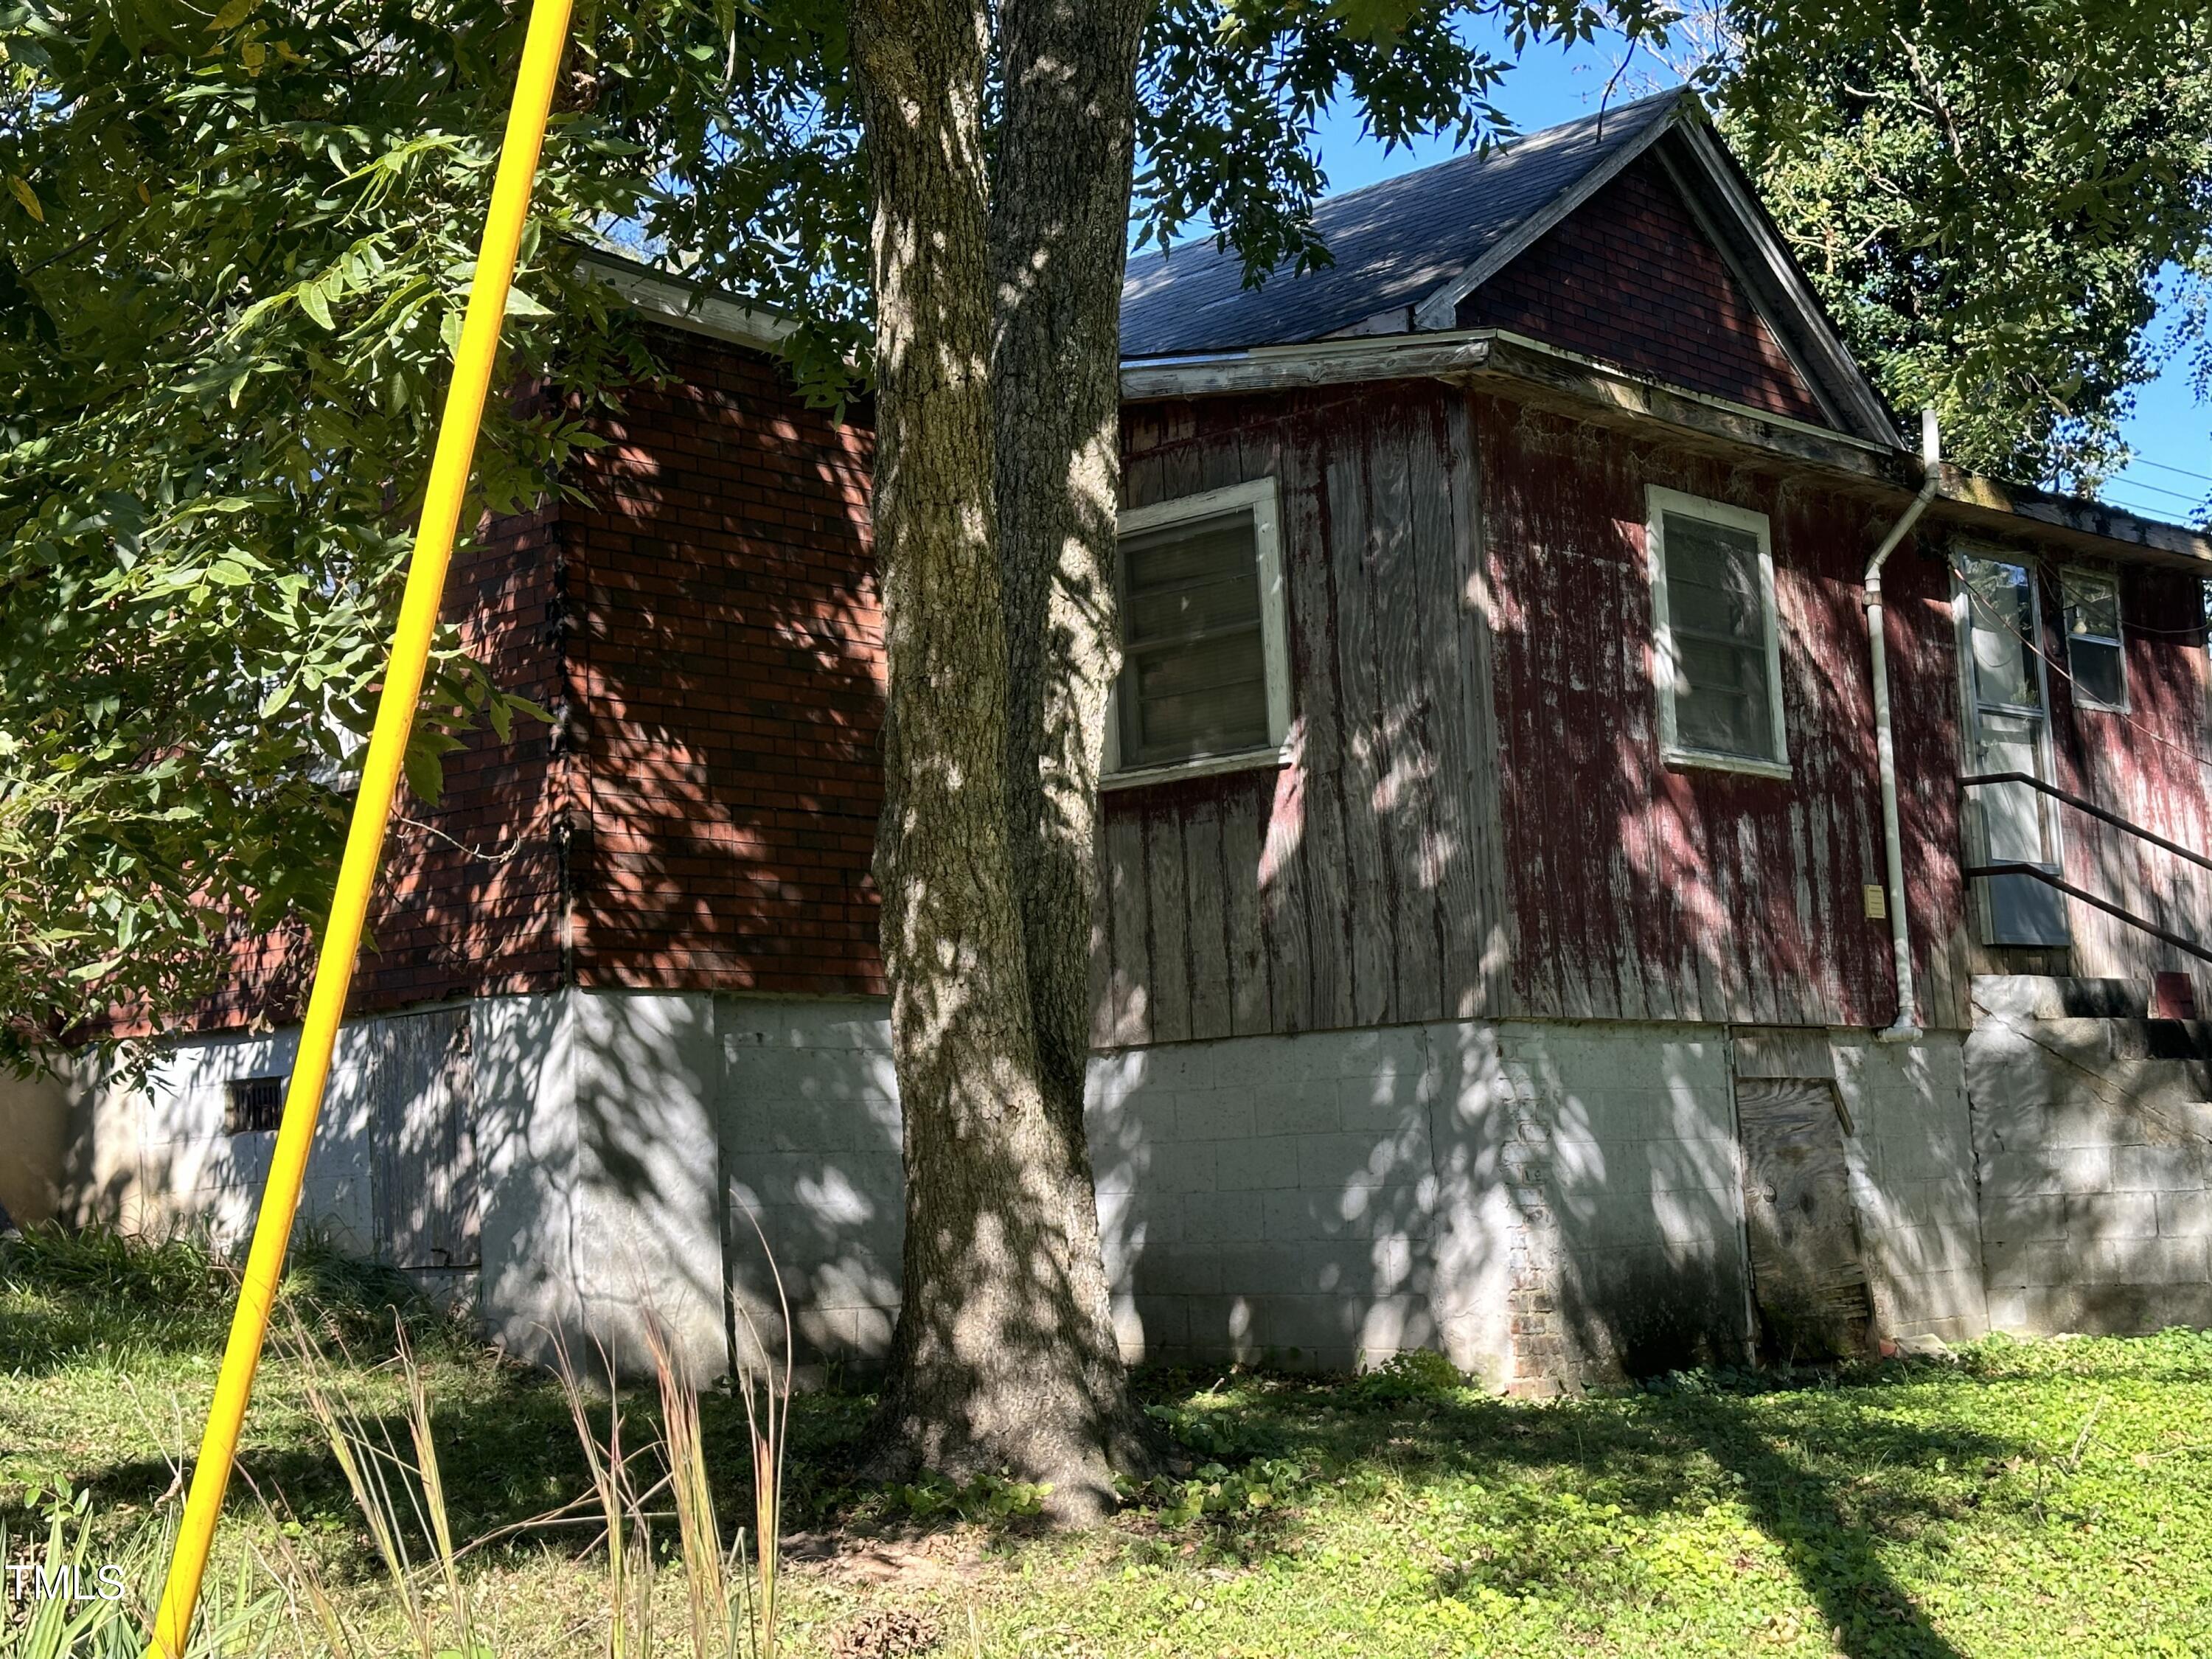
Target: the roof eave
(1533, 372)
(688, 305)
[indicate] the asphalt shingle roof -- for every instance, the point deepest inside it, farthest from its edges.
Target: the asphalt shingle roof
(1394, 243)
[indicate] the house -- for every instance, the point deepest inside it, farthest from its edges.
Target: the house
(1497, 942)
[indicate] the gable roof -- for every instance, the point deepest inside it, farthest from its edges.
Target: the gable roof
(1393, 243)
(1406, 251)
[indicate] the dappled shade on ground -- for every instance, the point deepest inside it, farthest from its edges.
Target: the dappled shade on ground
(2053, 1498)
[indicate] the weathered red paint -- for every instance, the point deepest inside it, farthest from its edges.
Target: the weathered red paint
(1643, 890)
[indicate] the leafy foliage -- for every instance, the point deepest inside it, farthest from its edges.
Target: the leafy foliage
(1985, 196)
(237, 248)
(1232, 95)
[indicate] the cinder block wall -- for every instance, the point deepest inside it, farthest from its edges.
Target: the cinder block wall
(1912, 1161)
(2096, 1177)
(1549, 1203)
(1532, 1199)
(150, 1154)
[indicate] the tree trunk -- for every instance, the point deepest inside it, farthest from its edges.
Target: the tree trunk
(1058, 236)
(995, 1363)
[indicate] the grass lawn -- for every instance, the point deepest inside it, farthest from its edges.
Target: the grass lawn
(2051, 1497)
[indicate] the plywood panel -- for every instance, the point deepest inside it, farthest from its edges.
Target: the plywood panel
(1643, 889)
(1369, 922)
(1242, 832)
(1166, 878)
(424, 1193)
(1407, 660)
(1335, 867)
(1808, 1270)
(1474, 905)
(1316, 837)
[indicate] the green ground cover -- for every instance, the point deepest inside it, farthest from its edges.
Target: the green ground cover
(2028, 1498)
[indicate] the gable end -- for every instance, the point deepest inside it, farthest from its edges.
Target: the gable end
(1632, 277)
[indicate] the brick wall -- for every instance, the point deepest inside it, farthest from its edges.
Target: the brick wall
(727, 673)
(700, 811)
(468, 900)
(1628, 278)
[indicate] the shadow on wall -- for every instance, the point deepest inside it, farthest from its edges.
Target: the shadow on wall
(1335, 1198)
(1472, 823)
(152, 1153)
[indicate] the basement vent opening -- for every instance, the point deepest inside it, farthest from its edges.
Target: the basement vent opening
(253, 1105)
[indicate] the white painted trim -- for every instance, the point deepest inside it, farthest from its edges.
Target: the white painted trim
(1261, 498)
(1248, 759)
(1659, 502)
(1441, 308)
(1713, 760)
(688, 306)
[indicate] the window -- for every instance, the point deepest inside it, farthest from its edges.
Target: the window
(1205, 682)
(2094, 657)
(1719, 649)
(253, 1105)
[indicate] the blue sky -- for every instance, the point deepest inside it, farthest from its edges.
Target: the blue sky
(2170, 431)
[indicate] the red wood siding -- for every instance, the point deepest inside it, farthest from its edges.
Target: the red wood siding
(728, 677)
(1643, 891)
(1474, 822)
(2147, 765)
(1357, 884)
(1630, 278)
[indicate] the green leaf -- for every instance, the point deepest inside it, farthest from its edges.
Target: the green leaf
(426, 774)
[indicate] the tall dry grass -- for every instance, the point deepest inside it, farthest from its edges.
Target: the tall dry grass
(279, 1597)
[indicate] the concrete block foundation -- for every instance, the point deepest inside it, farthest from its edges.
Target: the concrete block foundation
(1551, 1204)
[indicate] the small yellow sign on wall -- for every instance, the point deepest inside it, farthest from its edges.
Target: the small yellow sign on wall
(1877, 902)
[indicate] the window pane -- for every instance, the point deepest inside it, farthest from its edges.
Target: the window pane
(2092, 604)
(2012, 813)
(1713, 580)
(1195, 674)
(1722, 703)
(2093, 637)
(1189, 579)
(1718, 616)
(2099, 677)
(2003, 609)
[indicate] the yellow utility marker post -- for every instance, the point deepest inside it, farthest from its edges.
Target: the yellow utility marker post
(387, 744)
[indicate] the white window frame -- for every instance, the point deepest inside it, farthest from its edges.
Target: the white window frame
(2118, 642)
(1261, 498)
(1665, 673)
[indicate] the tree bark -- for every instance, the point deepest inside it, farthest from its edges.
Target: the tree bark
(1058, 237)
(996, 1360)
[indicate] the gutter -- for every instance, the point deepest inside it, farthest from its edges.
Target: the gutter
(1905, 1028)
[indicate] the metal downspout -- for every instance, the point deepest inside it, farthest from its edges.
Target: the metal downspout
(1906, 1026)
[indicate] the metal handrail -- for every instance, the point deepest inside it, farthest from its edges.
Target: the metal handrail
(2036, 871)
(2091, 809)
(2049, 879)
